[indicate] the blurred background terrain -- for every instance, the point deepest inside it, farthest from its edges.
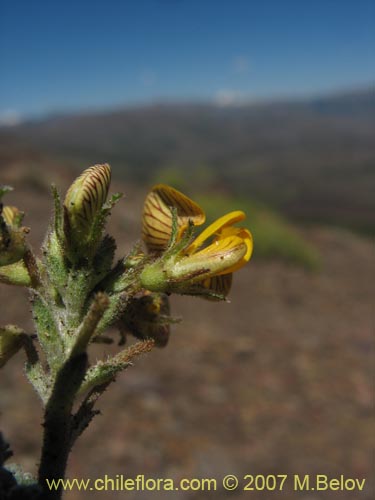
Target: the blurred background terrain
(279, 380)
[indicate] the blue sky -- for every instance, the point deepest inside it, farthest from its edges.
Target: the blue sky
(78, 55)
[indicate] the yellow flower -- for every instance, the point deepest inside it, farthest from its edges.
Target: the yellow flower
(205, 263)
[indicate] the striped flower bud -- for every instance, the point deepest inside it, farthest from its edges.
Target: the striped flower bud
(84, 201)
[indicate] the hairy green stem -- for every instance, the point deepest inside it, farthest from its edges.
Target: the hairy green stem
(58, 420)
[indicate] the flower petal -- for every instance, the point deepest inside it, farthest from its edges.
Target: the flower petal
(214, 228)
(157, 215)
(247, 238)
(218, 258)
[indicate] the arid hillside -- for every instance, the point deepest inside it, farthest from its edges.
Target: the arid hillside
(313, 159)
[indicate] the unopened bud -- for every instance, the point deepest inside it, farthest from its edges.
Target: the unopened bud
(84, 200)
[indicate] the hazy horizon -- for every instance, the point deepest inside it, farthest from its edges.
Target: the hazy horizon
(10, 118)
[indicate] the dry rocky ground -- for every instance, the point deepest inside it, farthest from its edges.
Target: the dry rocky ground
(280, 380)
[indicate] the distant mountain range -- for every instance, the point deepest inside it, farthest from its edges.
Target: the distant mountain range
(314, 159)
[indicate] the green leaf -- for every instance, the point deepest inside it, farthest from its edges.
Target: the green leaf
(15, 274)
(101, 217)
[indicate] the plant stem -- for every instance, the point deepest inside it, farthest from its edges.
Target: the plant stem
(58, 424)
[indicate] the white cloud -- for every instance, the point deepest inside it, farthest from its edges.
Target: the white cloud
(10, 118)
(228, 97)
